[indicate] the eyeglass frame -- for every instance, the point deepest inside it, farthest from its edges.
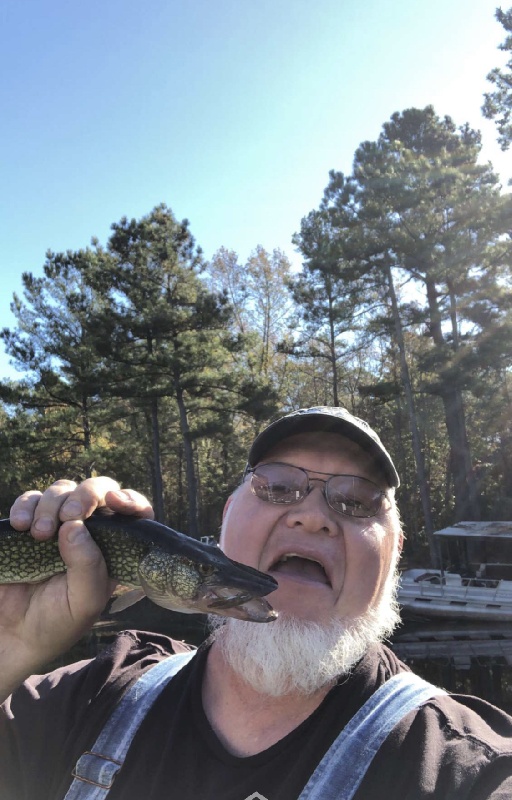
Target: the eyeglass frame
(251, 470)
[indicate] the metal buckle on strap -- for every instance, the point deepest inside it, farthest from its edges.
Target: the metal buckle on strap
(106, 773)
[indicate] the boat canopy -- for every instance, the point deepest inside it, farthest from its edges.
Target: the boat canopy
(477, 530)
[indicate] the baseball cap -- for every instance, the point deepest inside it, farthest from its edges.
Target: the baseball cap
(335, 419)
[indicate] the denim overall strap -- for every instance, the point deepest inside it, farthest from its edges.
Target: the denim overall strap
(343, 767)
(96, 769)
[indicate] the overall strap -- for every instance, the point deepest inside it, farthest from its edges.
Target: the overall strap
(343, 767)
(96, 769)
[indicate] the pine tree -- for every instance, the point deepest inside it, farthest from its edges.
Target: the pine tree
(498, 103)
(166, 336)
(53, 343)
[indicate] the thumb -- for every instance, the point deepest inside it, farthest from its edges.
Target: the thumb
(88, 584)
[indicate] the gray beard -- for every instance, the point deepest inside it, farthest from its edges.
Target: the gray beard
(292, 655)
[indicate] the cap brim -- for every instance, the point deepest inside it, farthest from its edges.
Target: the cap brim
(321, 422)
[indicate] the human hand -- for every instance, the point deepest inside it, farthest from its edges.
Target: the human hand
(40, 621)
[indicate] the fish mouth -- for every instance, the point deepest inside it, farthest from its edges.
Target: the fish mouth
(228, 588)
(220, 571)
(225, 598)
(239, 593)
(227, 602)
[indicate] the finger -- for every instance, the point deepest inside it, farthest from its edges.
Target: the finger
(128, 501)
(22, 510)
(87, 497)
(46, 514)
(89, 586)
(45, 517)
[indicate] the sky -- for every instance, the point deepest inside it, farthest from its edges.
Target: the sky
(232, 112)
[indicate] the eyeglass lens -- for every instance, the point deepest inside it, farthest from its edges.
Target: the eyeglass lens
(285, 484)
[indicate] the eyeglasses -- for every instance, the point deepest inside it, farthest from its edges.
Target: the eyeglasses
(285, 484)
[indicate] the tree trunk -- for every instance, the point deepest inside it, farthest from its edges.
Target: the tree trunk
(156, 461)
(467, 506)
(180, 499)
(332, 343)
(86, 428)
(193, 524)
(265, 356)
(158, 486)
(416, 442)
(464, 484)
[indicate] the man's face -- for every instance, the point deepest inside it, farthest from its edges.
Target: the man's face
(356, 555)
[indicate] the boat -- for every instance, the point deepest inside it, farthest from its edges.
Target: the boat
(474, 581)
(463, 644)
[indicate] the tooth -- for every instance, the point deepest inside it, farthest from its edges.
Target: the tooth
(287, 556)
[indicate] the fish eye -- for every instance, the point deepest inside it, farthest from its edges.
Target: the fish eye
(205, 570)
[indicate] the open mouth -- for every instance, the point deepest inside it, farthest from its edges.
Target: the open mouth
(229, 599)
(240, 605)
(302, 567)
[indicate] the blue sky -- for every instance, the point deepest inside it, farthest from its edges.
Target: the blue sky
(230, 111)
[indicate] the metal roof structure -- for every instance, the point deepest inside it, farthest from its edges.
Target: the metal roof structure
(477, 530)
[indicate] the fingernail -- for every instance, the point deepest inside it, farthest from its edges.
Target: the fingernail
(44, 525)
(77, 535)
(122, 495)
(72, 508)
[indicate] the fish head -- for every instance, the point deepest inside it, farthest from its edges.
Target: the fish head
(204, 581)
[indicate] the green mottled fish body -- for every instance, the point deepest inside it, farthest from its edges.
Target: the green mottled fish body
(23, 559)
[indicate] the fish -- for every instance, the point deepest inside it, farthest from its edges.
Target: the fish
(172, 569)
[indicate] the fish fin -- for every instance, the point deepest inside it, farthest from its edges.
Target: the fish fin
(126, 600)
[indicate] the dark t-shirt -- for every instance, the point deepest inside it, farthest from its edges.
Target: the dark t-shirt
(452, 748)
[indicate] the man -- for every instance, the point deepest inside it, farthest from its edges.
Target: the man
(259, 711)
